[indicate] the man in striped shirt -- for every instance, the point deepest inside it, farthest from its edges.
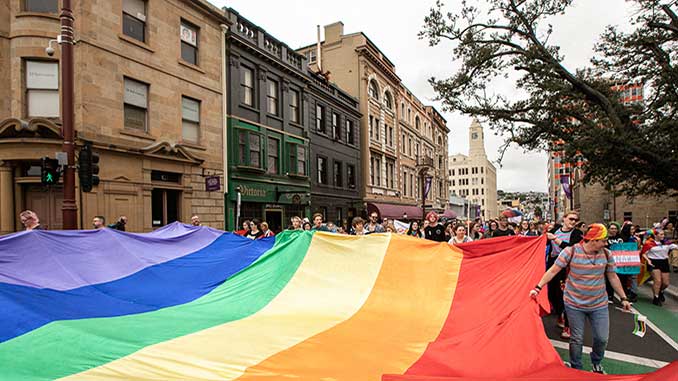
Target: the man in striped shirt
(589, 262)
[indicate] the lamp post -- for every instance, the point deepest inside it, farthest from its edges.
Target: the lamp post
(69, 208)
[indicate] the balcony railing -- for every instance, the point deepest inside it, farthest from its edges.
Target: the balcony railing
(424, 161)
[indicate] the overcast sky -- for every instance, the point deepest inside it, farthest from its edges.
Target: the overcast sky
(393, 26)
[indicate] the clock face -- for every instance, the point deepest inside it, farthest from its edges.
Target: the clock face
(474, 135)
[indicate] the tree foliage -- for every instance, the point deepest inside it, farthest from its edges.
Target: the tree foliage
(630, 146)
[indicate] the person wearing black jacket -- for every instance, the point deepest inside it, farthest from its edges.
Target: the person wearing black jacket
(560, 237)
(119, 224)
(435, 231)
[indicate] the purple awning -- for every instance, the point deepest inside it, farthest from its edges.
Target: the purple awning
(394, 211)
(449, 213)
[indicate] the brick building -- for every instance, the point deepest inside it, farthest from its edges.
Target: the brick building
(148, 96)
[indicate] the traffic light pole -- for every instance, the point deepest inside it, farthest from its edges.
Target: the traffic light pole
(69, 209)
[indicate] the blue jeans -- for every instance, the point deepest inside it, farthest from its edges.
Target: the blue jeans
(600, 323)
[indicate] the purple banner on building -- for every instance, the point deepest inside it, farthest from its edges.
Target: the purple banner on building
(427, 186)
(565, 182)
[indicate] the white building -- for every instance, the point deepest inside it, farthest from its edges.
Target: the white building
(474, 176)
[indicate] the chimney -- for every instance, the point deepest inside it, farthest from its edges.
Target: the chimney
(333, 32)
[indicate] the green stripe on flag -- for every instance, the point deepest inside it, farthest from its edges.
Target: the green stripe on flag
(66, 347)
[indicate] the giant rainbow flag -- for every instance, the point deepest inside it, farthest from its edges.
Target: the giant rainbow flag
(185, 303)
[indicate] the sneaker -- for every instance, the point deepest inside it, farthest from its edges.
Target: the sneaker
(566, 333)
(567, 364)
(661, 297)
(561, 322)
(610, 299)
(656, 301)
(597, 368)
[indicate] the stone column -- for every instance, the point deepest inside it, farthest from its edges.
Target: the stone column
(6, 200)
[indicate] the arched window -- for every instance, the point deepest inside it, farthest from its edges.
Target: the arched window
(388, 100)
(417, 122)
(374, 89)
(440, 140)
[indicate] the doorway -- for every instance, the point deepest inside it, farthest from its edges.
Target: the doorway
(46, 202)
(274, 219)
(164, 206)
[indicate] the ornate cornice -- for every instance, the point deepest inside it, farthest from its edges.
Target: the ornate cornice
(41, 128)
(176, 151)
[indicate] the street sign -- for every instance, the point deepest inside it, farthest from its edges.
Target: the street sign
(212, 183)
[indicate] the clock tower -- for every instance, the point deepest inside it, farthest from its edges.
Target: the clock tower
(476, 139)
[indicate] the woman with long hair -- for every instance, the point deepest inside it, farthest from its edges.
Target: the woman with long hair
(491, 227)
(413, 230)
(255, 230)
(524, 227)
(532, 230)
(656, 256)
(474, 231)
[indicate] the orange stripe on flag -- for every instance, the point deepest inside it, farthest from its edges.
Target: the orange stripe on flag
(406, 310)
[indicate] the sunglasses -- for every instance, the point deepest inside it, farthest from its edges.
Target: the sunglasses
(573, 219)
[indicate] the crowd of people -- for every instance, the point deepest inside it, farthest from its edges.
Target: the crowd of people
(581, 274)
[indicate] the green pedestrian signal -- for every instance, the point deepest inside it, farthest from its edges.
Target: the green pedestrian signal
(49, 171)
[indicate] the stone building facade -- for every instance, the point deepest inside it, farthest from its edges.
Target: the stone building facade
(474, 177)
(596, 204)
(268, 170)
(148, 97)
(357, 65)
(335, 151)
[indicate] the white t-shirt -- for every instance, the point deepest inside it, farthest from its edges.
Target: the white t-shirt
(661, 251)
(454, 241)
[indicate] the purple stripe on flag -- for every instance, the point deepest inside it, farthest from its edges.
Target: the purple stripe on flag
(63, 260)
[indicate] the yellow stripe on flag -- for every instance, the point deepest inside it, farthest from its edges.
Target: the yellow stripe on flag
(331, 285)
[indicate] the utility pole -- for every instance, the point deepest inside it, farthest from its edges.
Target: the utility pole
(66, 41)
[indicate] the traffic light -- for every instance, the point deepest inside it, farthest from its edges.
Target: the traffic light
(49, 173)
(88, 168)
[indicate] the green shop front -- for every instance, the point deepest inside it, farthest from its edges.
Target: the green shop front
(268, 177)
